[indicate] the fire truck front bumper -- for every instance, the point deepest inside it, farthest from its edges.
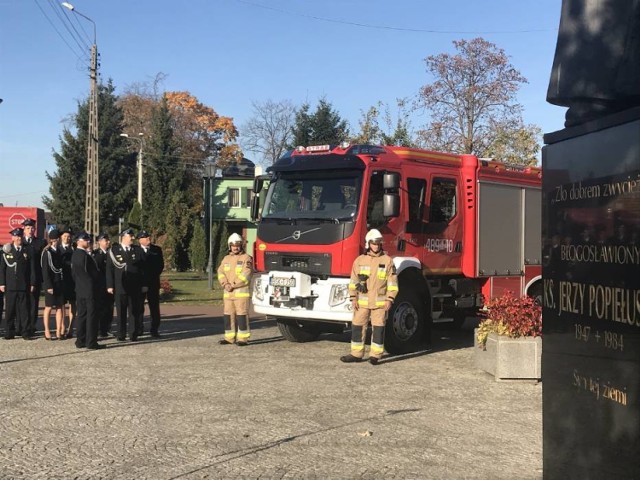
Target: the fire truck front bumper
(292, 295)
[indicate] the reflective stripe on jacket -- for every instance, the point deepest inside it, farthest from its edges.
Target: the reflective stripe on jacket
(381, 280)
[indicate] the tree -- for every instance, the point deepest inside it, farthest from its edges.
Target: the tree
(516, 144)
(472, 100)
(322, 127)
(164, 173)
(269, 131)
(378, 127)
(117, 180)
(198, 253)
(178, 223)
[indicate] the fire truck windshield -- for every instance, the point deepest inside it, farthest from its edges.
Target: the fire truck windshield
(313, 195)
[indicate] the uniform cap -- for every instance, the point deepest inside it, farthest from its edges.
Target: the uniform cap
(54, 234)
(83, 236)
(16, 232)
(104, 236)
(127, 231)
(66, 230)
(29, 222)
(143, 234)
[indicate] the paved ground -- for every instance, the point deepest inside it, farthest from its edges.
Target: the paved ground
(184, 407)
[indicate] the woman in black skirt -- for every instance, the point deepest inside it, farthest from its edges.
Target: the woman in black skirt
(51, 263)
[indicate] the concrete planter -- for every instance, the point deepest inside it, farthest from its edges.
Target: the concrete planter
(509, 358)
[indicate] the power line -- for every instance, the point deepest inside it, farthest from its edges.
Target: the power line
(56, 9)
(386, 27)
(83, 60)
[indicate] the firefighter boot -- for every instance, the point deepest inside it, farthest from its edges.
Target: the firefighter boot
(350, 359)
(242, 339)
(229, 332)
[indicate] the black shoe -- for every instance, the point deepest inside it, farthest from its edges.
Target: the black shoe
(97, 347)
(9, 337)
(374, 360)
(121, 339)
(134, 338)
(242, 344)
(80, 345)
(350, 359)
(69, 335)
(155, 335)
(224, 342)
(103, 336)
(28, 337)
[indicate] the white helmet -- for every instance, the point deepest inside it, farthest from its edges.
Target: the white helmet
(235, 238)
(372, 234)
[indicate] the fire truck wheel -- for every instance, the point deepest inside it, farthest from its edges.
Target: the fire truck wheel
(296, 332)
(405, 323)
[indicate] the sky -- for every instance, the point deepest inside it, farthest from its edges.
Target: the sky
(230, 53)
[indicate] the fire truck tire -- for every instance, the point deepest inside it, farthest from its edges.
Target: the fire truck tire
(296, 332)
(406, 323)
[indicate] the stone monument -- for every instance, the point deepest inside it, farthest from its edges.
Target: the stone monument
(591, 247)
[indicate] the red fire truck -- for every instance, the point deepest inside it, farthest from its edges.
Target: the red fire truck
(460, 229)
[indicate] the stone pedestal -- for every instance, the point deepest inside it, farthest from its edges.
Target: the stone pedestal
(591, 314)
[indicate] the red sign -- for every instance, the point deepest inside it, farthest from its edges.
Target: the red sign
(15, 220)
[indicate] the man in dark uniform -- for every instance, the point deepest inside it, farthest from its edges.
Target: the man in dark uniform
(153, 265)
(17, 281)
(87, 280)
(65, 249)
(125, 281)
(104, 299)
(36, 245)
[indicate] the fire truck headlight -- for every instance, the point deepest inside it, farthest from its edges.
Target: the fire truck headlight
(338, 295)
(257, 288)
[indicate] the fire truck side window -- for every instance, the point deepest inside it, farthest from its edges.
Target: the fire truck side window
(374, 205)
(416, 191)
(443, 200)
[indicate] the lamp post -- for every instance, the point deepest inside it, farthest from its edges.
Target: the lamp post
(92, 208)
(140, 139)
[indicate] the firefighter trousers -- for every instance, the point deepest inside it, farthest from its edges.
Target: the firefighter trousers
(236, 320)
(361, 319)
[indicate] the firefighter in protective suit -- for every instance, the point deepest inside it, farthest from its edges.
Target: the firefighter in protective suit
(372, 289)
(234, 274)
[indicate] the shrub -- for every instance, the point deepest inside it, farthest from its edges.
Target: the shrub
(511, 316)
(165, 287)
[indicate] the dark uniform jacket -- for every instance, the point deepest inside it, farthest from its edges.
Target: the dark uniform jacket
(18, 270)
(85, 273)
(125, 270)
(101, 259)
(65, 254)
(36, 245)
(153, 265)
(51, 265)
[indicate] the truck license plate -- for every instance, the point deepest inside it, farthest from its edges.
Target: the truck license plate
(282, 282)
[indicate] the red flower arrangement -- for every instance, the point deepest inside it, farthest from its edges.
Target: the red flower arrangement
(165, 287)
(511, 316)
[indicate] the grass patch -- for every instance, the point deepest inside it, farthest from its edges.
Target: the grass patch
(190, 288)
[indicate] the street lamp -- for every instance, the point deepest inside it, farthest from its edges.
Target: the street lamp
(139, 138)
(91, 206)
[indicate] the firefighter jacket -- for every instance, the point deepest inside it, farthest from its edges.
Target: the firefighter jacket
(373, 280)
(236, 270)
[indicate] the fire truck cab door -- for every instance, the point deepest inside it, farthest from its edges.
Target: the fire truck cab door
(390, 228)
(442, 234)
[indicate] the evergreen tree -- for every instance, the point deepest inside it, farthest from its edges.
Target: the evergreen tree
(135, 215)
(322, 127)
(117, 180)
(178, 223)
(219, 235)
(165, 175)
(198, 253)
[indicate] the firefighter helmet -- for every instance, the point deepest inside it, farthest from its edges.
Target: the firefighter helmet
(234, 238)
(372, 235)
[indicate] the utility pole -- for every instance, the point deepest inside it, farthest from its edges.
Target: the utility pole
(139, 138)
(92, 205)
(92, 193)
